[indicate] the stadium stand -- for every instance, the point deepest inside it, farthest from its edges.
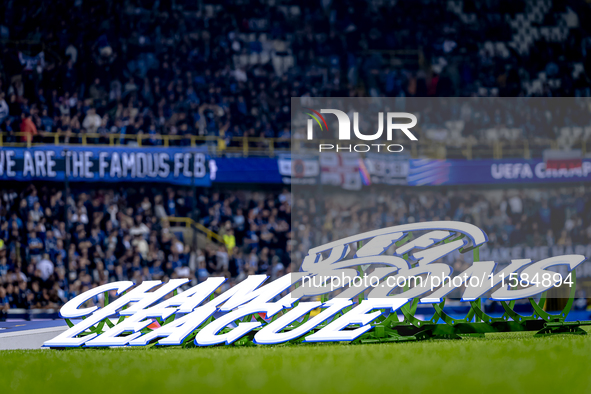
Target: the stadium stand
(147, 73)
(129, 73)
(557, 216)
(126, 235)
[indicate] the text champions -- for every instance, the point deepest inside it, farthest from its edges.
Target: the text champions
(416, 252)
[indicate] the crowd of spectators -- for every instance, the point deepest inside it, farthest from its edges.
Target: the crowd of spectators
(126, 235)
(520, 217)
(187, 68)
(230, 69)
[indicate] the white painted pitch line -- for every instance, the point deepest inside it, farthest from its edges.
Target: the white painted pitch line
(35, 331)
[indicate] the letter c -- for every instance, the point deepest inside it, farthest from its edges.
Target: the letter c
(70, 309)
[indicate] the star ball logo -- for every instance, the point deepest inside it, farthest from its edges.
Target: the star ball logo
(344, 130)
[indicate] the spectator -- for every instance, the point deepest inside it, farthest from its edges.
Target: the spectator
(4, 304)
(45, 267)
(92, 121)
(4, 111)
(28, 127)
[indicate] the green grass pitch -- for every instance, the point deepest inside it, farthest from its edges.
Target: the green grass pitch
(499, 363)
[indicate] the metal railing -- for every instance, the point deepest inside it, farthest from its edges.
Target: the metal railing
(244, 146)
(188, 222)
(269, 147)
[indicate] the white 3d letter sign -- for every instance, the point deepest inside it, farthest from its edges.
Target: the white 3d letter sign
(389, 267)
